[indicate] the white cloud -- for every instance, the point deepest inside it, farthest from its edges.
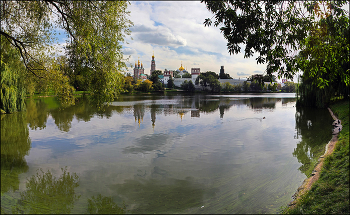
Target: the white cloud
(175, 32)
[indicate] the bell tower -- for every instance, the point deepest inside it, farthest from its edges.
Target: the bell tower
(153, 64)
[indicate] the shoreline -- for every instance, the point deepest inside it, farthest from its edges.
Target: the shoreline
(308, 182)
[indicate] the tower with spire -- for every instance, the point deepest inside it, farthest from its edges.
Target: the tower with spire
(138, 70)
(153, 65)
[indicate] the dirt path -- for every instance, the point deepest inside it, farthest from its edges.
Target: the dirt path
(307, 183)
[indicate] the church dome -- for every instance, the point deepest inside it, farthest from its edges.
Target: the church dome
(181, 68)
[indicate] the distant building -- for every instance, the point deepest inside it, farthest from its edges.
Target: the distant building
(181, 70)
(138, 70)
(222, 72)
(143, 77)
(153, 65)
(195, 73)
(161, 78)
(167, 75)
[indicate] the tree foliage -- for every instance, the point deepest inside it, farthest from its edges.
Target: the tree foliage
(324, 58)
(186, 75)
(95, 32)
(188, 86)
(289, 87)
(55, 195)
(171, 83)
(210, 79)
(12, 79)
(128, 83)
(225, 76)
(157, 85)
(312, 36)
(272, 29)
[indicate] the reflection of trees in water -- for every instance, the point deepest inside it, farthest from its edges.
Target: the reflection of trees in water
(84, 110)
(160, 196)
(287, 100)
(36, 114)
(47, 194)
(208, 106)
(15, 144)
(263, 103)
(314, 127)
(104, 205)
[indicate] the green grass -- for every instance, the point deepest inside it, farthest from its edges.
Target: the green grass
(330, 194)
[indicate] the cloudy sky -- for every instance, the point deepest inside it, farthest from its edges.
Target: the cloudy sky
(174, 30)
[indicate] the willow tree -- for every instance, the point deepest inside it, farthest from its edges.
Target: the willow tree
(277, 31)
(95, 33)
(324, 60)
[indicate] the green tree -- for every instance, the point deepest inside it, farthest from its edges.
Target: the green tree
(95, 33)
(246, 86)
(227, 87)
(237, 87)
(272, 87)
(171, 83)
(209, 79)
(225, 76)
(12, 78)
(188, 86)
(157, 85)
(128, 83)
(277, 30)
(324, 58)
(177, 74)
(186, 75)
(146, 85)
(255, 86)
(289, 87)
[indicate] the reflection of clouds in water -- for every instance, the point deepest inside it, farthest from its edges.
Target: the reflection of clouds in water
(39, 155)
(161, 196)
(84, 142)
(150, 143)
(127, 128)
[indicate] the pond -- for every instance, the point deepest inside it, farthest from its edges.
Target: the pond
(172, 153)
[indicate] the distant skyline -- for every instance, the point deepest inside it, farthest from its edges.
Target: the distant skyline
(175, 33)
(174, 30)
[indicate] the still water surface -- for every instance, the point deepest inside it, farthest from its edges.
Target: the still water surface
(160, 154)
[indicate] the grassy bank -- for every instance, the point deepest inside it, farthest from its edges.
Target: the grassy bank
(330, 194)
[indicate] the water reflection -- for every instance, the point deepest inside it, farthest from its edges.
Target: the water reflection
(36, 114)
(47, 194)
(38, 110)
(183, 152)
(314, 127)
(160, 196)
(15, 144)
(104, 205)
(149, 143)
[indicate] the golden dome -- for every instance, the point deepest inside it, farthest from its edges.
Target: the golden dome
(181, 68)
(138, 63)
(153, 55)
